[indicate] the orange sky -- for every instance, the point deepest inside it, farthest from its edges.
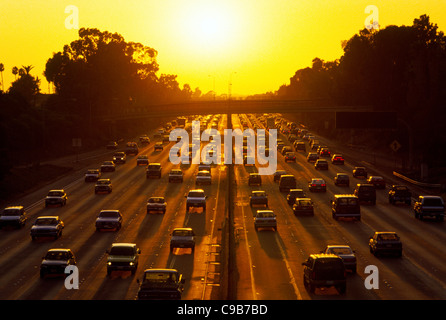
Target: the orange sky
(259, 44)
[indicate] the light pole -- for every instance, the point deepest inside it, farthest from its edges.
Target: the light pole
(230, 84)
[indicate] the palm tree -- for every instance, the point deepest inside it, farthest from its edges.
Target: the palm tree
(2, 68)
(27, 69)
(15, 71)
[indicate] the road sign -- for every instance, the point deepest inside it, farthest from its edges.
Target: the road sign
(395, 145)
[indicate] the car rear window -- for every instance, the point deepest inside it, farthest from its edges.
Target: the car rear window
(433, 202)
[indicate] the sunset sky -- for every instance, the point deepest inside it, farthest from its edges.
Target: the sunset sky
(259, 44)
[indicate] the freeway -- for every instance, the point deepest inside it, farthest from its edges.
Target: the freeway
(268, 264)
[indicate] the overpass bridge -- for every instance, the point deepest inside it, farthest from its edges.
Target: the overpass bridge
(228, 107)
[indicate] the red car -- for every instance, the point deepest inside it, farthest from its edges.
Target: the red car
(377, 181)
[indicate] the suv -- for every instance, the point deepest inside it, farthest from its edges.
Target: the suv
(47, 226)
(103, 185)
(258, 198)
(365, 192)
(131, 148)
(432, 206)
(360, 172)
(56, 197)
(196, 198)
(294, 194)
(265, 219)
(153, 170)
(182, 238)
(55, 261)
(346, 206)
(109, 219)
(176, 175)
(324, 270)
(119, 157)
(92, 175)
(287, 182)
(156, 204)
(122, 256)
(399, 193)
(255, 178)
(165, 284)
(13, 216)
(385, 242)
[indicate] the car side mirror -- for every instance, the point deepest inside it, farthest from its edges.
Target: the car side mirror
(139, 251)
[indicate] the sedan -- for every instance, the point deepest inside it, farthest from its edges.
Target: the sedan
(303, 206)
(377, 181)
(317, 184)
(342, 179)
(345, 253)
(109, 219)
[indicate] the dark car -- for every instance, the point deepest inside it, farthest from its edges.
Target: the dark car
(287, 182)
(278, 174)
(342, 179)
(360, 172)
(294, 194)
(108, 166)
(324, 270)
(386, 243)
(312, 157)
(159, 146)
(345, 206)
(431, 206)
(303, 206)
(131, 148)
(337, 159)
(255, 179)
(317, 185)
(176, 175)
(55, 261)
(366, 193)
(321, 164)
(156, 204)
(14, 216)
(400, 193)
(161, 284)
(142, 160)
(324, 152)
(299, 146)
(182, 238)
(47, 226)
(258, 197)
(109, 220)
(103, 186)
(92, 175)
(56, 198)
(377, 181)
(153, 170)
(123, 257)
(119, 157)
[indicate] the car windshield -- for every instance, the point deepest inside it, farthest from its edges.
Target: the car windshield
(57, 255)
(340, 250)
(347, 201)
(388, 237)
(103, 182)
(46, 222)
(182, 233)
(258, 194)
(55, 194)
(304, 202)
(11, 212)
(366, 188)
(156, 200)
(108, 214)
(160, 277)
(433, 202)
(121, 251)
(265, 214)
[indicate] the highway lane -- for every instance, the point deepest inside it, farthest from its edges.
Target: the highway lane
(151, 232)
(275, 257)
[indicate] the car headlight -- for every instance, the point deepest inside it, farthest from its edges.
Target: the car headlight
(109, 263)
(131, 264)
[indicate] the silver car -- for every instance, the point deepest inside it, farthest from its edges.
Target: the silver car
(345, 253)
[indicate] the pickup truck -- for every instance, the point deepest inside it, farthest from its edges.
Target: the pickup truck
(432, 206)
(398, 193)
(161, 284)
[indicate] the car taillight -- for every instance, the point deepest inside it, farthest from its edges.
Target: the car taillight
(323, 185)
(313, 185)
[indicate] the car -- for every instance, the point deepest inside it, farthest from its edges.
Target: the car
(280, 145)
(108, 166)
(312, 157)
(131, 147)
(342, 179)
(119, 157)
(317, 185)
(293, 194)
(144, 139)
(430, 206)
(366, 193)
(255, 179)
(112, 145)
(159, 146)
(109, 220)
(161, 284)
(299, 146)
(156, 204)
(258, 197)
(292, 137)
(265, 219)
(142, 160)
(204, 166)
(56, 197)
(303, 206)
(166, 138)
(203, 177)
(182, 238)
(103, 186)
(384, 242)
(175, 175)
(324, 270)
(290, 156)
(400, 193)
(278, 174)
(360, 172)
(154, 170)
(337, 159)
(345, 206)
(345, 253)
(287, 182)
(47, 226)
(13, 216)
(196, 199)
(324, 152)
(321, 164)
(55, 262)
(286, 149)
(123, 257)
(314, 144)
(377, 181)
(92, 175)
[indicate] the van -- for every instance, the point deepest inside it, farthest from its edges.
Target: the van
(345, 206)
(287, 182)
(366, 193)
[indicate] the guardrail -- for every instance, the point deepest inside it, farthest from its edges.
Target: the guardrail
(418, 183)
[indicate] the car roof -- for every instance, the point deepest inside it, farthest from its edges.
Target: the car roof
(59, 249)
(123, 244)
(324, 255)
(182, 229)
(14, 207)
(161, 270)
(47, 217)
(345, 196)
